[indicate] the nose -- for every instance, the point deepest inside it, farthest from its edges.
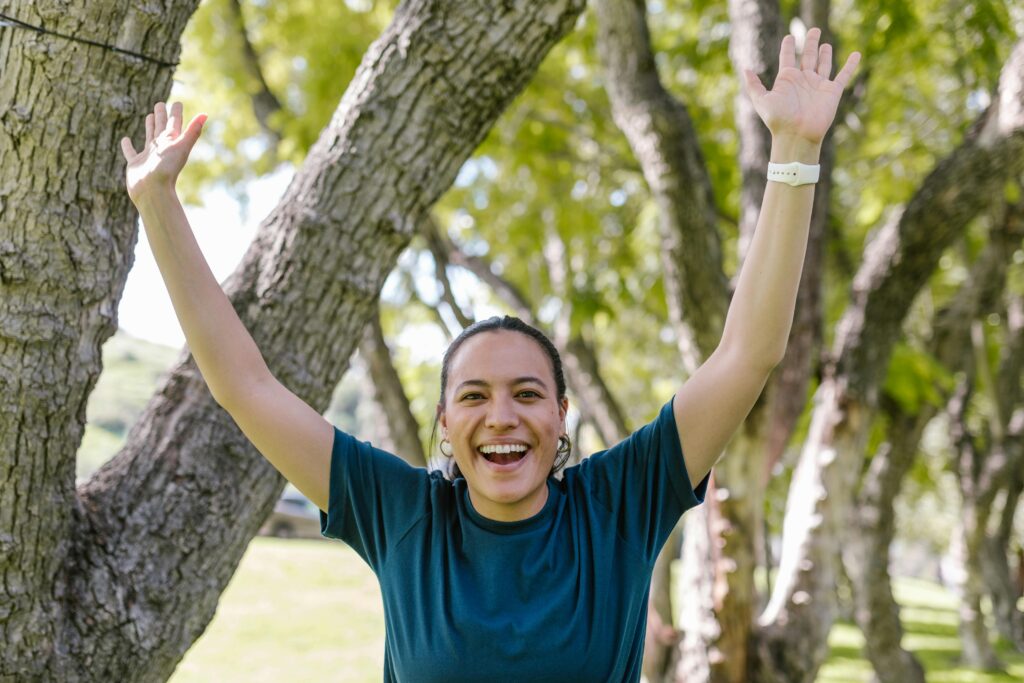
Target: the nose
(501, 414)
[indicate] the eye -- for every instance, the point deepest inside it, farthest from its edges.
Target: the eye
(472, 396)
(529, 393)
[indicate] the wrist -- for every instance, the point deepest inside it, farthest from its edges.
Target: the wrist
(153, 194)
(786, 148)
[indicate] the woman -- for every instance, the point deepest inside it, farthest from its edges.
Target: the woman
(504, 572)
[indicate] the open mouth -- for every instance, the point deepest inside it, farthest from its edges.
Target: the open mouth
(504, 455)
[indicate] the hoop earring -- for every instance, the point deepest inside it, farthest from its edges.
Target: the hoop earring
(440, 447)
(564, 445)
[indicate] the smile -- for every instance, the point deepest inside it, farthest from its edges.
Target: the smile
(503, 457)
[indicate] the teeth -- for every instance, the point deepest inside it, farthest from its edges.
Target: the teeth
(505, 448)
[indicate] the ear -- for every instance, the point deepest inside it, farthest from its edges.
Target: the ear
(563, 409)
(442, 420)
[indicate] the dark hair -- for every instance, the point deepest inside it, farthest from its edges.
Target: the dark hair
(495, 324)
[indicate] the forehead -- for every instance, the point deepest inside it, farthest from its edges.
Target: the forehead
(499, 355)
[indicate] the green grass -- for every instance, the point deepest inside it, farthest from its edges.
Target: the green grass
(296, 610)
(301, 610)
(132, 370)
(929, 615)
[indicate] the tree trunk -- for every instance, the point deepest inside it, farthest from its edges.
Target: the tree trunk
(1007, 428)
(661, 636)
(995, 566)
(986, 466)
(1007, 587)
(736, 526)
(582, 365)
(976, 649)
(117, 583)
(744, 475)
(754, 44)
(696, 577)
(661, 135)
(866, 549)
(67, 239)
(402, 427)
(866, 555)
(897, 263)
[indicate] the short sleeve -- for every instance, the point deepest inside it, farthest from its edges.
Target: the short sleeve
(643, 482)
(374, 498)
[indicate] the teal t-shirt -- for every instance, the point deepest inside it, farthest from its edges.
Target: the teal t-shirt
(561, 596)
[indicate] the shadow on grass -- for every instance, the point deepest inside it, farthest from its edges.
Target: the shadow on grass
(930, 634)
(844, 652)
(933, 628)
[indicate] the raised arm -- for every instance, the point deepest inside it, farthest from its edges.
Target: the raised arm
(291, 435)
(798, 110)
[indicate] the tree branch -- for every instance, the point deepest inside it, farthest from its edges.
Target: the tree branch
(401, 423)
(264, 103)
(663, 140)
(904, 253)
(437, 249)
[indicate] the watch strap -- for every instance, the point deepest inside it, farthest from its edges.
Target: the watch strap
(794, 173)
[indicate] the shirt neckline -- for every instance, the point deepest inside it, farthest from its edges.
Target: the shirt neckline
(518, 526)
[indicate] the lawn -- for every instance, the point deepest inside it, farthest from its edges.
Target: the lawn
(296, 610)
(305, 610)
(930, 623)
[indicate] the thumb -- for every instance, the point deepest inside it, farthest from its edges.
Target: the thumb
(195, 128)
(755, 89)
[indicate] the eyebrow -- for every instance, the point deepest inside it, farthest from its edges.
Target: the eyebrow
(528, 379)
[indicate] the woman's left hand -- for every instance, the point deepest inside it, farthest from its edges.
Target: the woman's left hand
(803, 101)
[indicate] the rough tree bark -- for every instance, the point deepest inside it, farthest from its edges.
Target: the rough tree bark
(67, 238)
(866, 548)
(117, 582)
(897, 262)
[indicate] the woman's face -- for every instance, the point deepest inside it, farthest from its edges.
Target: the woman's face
(501, 396)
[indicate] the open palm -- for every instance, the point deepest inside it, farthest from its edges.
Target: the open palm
(165, 152)
(803, 101)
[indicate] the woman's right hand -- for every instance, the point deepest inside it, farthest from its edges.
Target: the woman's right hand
(165, 153)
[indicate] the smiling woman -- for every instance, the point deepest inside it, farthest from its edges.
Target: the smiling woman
(501, 571)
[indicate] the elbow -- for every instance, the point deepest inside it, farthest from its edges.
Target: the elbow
(758, 359)
(240, 392)
(773, 360)
(767, 364)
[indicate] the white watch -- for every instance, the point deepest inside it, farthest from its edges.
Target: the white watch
(794, 173)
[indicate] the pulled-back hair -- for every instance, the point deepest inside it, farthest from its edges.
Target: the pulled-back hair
(495, 324)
